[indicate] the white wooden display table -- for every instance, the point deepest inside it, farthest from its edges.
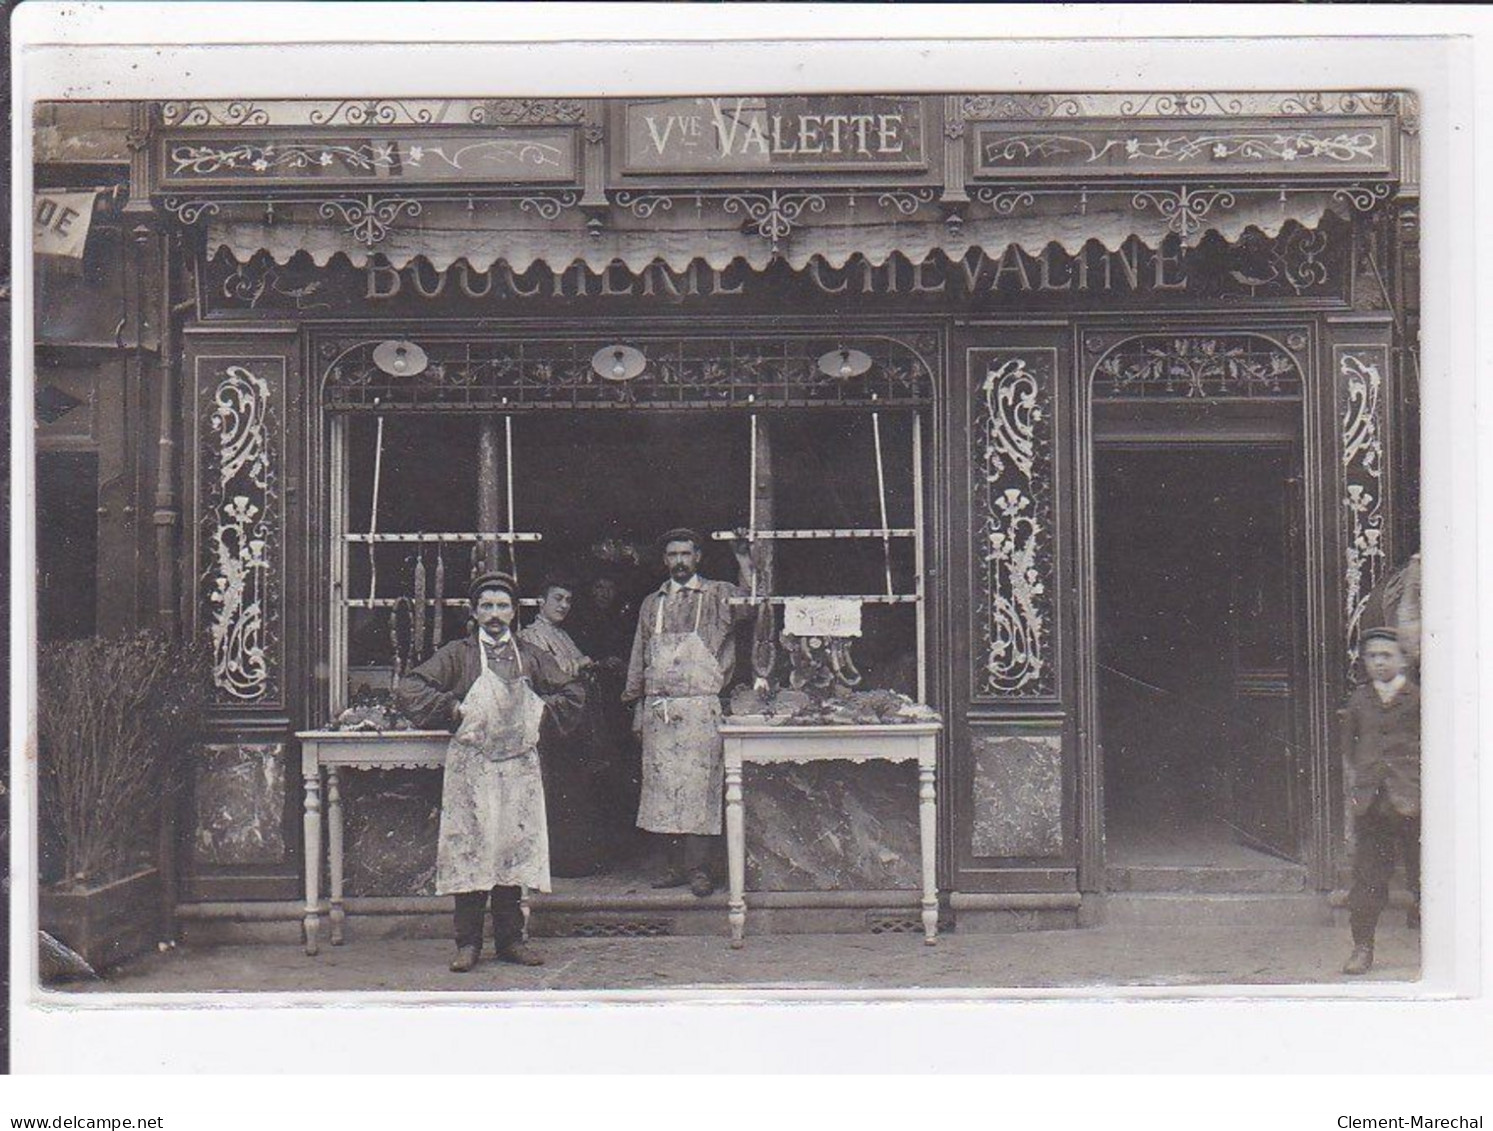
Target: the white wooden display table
(889, 742)
(359, 750)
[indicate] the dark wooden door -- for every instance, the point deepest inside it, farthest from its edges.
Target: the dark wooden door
(1267, 762)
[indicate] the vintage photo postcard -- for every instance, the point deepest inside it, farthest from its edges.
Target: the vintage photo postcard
(859, 537)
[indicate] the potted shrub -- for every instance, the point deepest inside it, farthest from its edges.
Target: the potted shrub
(114, 717)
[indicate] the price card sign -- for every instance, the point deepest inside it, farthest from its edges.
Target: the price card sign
(822, 616)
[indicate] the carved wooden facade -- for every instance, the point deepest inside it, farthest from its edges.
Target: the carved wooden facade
(1033, 257)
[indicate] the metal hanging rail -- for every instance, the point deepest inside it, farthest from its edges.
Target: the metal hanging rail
(825, 532)
(865, 599)
(448, 602)
(500, 536)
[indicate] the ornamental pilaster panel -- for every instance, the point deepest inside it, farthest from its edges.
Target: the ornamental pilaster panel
(238, 540)
(1362, 394)
(1013, 629)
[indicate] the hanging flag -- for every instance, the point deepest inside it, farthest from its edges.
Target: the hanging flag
(61, 221)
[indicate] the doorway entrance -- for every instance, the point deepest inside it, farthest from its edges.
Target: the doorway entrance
(1200, 660)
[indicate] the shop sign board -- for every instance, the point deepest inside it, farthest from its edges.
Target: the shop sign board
(751, 135)
(1301, 264)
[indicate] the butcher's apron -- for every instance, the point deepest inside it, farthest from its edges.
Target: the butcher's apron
(493, 829)
(683, 764)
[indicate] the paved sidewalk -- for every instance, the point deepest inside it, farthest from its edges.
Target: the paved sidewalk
(1098, 956)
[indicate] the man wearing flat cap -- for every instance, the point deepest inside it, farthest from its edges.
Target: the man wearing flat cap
(1382, 760)
(683, 657)
(498, 694)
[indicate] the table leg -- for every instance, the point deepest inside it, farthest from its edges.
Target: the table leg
(312, 853)
(524, 907)
(334, 850)
(735, 851)
(928, 828)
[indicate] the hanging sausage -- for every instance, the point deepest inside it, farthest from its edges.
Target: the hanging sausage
(438, 613)
(417, 644)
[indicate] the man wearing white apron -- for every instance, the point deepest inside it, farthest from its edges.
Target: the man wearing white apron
(683, 657)
(497, 693)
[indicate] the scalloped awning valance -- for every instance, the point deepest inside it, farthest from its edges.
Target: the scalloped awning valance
(755, 228)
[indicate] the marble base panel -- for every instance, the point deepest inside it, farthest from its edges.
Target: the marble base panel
(831, 826)
(240, 804)
(1018, 795)
(390, 822)
(820, 827)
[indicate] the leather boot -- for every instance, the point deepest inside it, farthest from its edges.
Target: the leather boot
(701, 884)
(1360, 961)
(465, 960)
(519, 954)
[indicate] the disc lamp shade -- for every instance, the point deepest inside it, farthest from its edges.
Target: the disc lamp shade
(400, 359)
(618, 363)
(844, 363)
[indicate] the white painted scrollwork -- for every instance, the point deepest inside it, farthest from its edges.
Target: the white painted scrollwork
(240, 534)
(1363, 496)
(1010, 531)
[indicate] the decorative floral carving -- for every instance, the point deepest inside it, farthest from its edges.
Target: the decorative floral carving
(1012, 529)
(1181, 105)
(241, 526)
(1005, 201)
(548, 207)
(1364, 197)
(1409, 107)
(214, 114)
(1363, 487)
(373, 112)
(1018, 106)
(190, 211)
(644, 205)
(774, 214)
(1292, 261)
(251, 283)
(1165, 365)
(1185, 209)
(277, 158)
(529, 112)
(1345, 102)
(906, 201)
(468, 374)
(1343, 148)
(368, 220)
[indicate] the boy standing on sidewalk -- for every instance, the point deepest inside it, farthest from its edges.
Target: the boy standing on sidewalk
(1382, 761)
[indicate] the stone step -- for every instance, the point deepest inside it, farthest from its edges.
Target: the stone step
(1181, 880)
(1226, 909)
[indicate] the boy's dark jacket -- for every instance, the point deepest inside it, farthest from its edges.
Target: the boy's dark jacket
(1383, 749)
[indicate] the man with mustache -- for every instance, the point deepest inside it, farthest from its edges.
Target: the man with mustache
(498, 694)
(683, 657)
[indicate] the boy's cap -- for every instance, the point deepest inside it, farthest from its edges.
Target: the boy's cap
(1381, 633)
(494, 579)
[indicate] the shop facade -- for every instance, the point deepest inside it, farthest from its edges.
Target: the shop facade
(1134, 439)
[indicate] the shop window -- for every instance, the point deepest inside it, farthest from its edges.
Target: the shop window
(589, 494)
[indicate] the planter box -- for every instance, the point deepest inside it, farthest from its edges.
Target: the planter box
(110, 924)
